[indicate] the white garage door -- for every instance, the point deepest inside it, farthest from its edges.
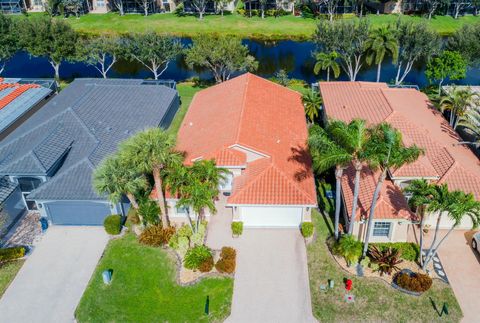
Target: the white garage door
(264, 216)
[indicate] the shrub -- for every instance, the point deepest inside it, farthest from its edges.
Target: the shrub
(227, 262)
(150, 211)
(365, 262)
(185, 231)
(228, 253)
(349, 248)
(237, 228)
(7, 254)
(226, 266)
(307, 229)
(156, 236)
(206, 265)
(408, 250)
(179, 244)
(196, 256)
(415, 282)
(113, 224)
(132, 216)
(387, 259)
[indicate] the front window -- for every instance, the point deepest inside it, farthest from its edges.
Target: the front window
(181, 210)
(382, 229)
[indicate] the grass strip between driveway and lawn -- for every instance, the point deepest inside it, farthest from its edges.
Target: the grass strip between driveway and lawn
(374, 299)
(270, 28)
(143, 289)
(8, 271)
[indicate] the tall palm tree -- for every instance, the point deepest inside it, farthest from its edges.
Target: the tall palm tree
(422, 194)
(152, 152)
(327, 154)
(116, 177)
(385, 150)
(197, 187)
(354, 137)
(327, 62)
(457, 101)
(460, 205)
(312, 102)
(470, 121)
(382, 41)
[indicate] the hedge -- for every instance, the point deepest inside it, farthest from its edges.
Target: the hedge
(409, 251)
(7, 254)
(307, 229)
(113, 224)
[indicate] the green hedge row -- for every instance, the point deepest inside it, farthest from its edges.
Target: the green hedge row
(7, 254)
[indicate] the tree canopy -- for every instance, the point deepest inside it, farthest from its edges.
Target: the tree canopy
(9, 44)
(152, 50)
(100, 52)
(222, 55)
(466, 41)
(449, 65)
(52, 38)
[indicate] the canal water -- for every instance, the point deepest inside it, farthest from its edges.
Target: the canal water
(292, 56)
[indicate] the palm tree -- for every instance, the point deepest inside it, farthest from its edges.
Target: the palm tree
(381, 41)
(421, 195)
(354, 137)
(116, 177)
(327, 62)
(312, 102)
(385, 150)
(457, 101)
(197, 187)
(470, 121)
(152, 151)
(327, 154)
(460, 205)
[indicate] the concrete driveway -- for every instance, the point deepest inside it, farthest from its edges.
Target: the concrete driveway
(271, 279)
(52, 280)
(462, 266)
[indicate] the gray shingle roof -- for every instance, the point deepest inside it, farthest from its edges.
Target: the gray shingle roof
(6, 188)
(91, 116)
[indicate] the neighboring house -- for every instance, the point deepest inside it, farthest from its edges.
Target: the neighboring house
(18, 100)
(257, 130)
(409, 111)
(52, 155)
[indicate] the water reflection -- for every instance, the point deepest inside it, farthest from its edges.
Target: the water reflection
(291, 56)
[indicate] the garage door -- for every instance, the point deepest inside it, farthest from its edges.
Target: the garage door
(264, 216)
(77, 213)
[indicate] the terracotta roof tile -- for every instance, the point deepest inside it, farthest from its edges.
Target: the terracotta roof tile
(265, 117)
(391, 203)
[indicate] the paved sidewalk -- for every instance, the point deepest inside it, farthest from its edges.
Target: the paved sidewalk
(51, 282)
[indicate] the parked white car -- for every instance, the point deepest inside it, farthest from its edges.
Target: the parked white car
(476, 241)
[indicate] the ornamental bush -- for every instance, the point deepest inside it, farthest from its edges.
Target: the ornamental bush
(156, 235)
(307, 229)
(150, 211)
(415, 282)
(349, 248)
(227, 262)
(196, 256)
(7, 254)
(408, 250)
(179, 244)
(185, 231)
(237, 228)
(207, 265)
(113, 224)
(228, 253)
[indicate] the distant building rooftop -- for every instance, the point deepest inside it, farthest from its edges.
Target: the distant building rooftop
(18, 96)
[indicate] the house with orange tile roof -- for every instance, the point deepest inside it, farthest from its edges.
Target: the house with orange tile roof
(257, 130)
(408, 110)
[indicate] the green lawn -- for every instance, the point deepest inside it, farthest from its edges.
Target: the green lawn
(8, 271)
(270, 28)
(375, 301)
(143, 289)
(186, 91)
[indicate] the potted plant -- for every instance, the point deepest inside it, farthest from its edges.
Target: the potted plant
(237, 228)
